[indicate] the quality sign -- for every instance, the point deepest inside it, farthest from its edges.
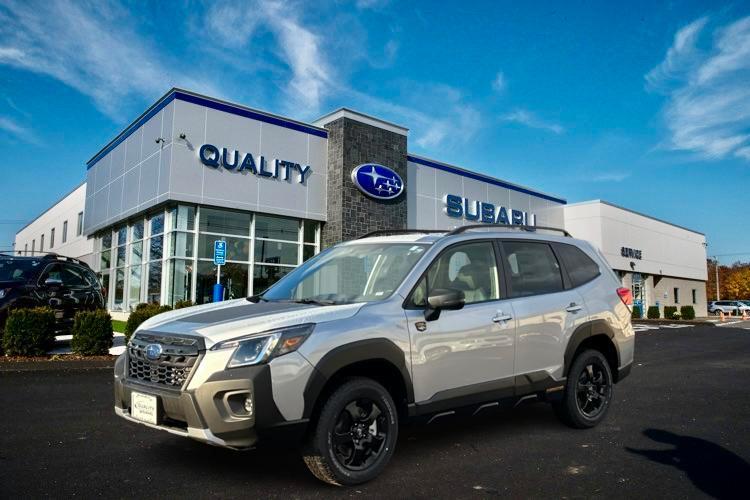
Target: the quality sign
(235, 161)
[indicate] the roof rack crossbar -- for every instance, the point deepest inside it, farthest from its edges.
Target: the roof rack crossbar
(383, 232)
(531, 229)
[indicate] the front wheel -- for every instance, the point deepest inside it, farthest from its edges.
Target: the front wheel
(588, 391)
(355, 435)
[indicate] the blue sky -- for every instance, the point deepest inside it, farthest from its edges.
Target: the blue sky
(645, 105)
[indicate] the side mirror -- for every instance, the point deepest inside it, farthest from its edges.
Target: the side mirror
(53, 283)
(440, 299)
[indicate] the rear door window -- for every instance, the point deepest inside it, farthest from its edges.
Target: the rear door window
(74, 277)
(532, 268)
(580, 267)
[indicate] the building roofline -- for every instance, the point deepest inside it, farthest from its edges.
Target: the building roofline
(614, 205)
(203, 100)
(51, 207)
(482, 177)
(361, 117)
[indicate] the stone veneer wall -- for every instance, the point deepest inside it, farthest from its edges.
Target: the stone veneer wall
(350, 213)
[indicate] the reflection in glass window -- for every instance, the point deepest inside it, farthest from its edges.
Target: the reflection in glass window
(533, 268)
(310, 230)
(134, 286)
(138, 230)
(153, 292)
(157, 224)
(180, 280)
(183, 218)
(233, 277)
(276, 228)
(237, 248)
(264, 276)
(224, 222)
(119, 288)
(274, 252)
(182, 245)
(156, 248)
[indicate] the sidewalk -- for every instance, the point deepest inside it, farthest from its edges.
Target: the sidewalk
(62, 344)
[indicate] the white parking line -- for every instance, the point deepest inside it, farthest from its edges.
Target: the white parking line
(644, 328)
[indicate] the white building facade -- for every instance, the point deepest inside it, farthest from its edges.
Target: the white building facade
(192, 170)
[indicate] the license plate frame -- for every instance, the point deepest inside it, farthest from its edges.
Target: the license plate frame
(144, 407)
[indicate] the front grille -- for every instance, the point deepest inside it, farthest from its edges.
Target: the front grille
(172, 368)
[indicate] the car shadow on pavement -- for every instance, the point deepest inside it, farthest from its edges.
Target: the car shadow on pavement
(712, 468)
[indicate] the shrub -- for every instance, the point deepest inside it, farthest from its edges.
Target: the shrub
(669, 312)
(29, 332)
(92, 333)
(142, 305)
(141, 314)
(687, 312)
(183, 303)
(637, 313)
(653, 312)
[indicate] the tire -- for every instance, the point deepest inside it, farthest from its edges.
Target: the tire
(587, 397)
(717, 312)
(362, 449)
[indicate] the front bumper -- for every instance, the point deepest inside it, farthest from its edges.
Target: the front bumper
(211, 408)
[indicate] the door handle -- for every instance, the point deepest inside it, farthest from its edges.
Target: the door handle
(573, 308)
(500, 317)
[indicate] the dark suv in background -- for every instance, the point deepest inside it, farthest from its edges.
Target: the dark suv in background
(64, 284)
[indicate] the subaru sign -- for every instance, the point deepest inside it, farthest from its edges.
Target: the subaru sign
(220, 252)
(486, 212)
(377, 181)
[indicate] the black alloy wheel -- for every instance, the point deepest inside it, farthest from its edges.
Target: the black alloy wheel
(593, 389)
(588, 391)
(360, 434)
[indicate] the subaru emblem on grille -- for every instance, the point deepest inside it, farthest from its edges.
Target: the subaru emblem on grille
(153, 351)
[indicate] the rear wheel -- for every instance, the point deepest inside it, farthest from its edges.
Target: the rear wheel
(588, 391)
(355, 435)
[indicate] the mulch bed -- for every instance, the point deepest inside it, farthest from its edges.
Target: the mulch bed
(55, 362)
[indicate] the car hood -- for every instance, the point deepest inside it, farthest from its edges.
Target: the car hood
(234, 318)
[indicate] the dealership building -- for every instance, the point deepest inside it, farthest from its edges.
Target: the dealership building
(193, 169)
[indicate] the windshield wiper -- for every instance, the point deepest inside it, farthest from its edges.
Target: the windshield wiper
(317, 302)
(255, 299)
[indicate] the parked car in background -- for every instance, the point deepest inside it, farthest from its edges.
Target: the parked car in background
(735, 307)
(64, 284)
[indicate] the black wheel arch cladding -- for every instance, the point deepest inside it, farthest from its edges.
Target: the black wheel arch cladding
(376, 351)
(597, 329)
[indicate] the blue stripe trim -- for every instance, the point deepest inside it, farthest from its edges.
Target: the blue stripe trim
(483, 178)
(208, 103)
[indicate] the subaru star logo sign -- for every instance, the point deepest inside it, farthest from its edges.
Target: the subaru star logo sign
(377, 181)
(153, 351)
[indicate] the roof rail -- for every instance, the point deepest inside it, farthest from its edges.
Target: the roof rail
(531, 229)
(384, 232)
(55, 256)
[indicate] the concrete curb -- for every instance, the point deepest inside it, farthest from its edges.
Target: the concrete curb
(673, 321)
(61, 365)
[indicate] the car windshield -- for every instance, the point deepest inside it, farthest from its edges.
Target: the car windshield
(19, 269)
(348, 273)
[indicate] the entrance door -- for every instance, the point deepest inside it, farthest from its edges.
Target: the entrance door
(468, 351)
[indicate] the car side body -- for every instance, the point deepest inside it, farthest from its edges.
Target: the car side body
(527, 312)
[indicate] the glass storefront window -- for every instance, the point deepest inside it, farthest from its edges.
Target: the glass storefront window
(224, 222)
(107, 241)
(105, 260)
(274, 252)
(119, 287)
(233, 277)
(138, 230)
(122, 236)
(134, 286)
(121, 256)
(276, 228)
(183, 218)
(180, 280)
(156, 248)
(310, 230)
(265, 276)
(237, 248)
(153, 292)
(136, 253)
(308, 251)
(157, 224)
(182, 245)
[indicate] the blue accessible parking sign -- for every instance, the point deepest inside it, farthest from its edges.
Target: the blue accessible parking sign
(220, 252)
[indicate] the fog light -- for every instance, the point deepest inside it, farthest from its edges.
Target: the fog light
(249, 405)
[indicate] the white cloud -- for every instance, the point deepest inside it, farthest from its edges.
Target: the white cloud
(679, 56)
(91, 47)
(529, 119)
(708, 108)
(609, 176)
(499, 83)
(12, 128)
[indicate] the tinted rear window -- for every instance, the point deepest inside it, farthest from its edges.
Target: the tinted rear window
(581, 268)
(532, 267)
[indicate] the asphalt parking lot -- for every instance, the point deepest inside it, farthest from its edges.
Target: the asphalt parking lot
(679, 427)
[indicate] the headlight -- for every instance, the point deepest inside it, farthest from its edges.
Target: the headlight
(261, 347)
(4, 292)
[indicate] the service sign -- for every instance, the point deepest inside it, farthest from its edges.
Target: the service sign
(378, 181)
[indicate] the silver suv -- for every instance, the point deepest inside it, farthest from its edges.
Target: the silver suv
(372, 332)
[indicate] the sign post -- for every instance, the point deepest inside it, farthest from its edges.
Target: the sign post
(220, 258)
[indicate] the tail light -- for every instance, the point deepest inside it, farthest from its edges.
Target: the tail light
(626, 296)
